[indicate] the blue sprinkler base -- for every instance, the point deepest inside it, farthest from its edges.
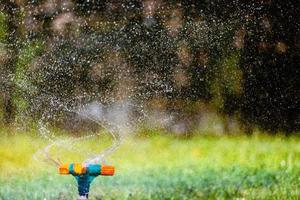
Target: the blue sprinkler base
(84, 181)
(85, 174)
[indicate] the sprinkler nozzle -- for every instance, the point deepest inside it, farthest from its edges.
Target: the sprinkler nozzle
(85, 174)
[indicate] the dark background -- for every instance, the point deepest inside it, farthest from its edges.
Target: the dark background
(238, 59)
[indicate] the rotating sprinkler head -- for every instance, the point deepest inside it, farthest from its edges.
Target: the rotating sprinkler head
(85, 174)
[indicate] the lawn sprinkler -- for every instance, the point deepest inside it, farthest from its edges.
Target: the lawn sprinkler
(85, 174)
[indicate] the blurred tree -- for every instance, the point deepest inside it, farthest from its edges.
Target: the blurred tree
(270, 64)
(181, 51)
(11, 12)
(151, 53)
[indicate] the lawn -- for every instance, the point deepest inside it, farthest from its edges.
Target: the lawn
(160, 167)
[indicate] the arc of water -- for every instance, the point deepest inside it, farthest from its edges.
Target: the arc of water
(117, 138)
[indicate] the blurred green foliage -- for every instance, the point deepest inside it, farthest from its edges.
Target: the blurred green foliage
(27, 53)
(2, 28)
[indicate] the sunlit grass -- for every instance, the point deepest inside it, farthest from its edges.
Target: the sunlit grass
(159, 167)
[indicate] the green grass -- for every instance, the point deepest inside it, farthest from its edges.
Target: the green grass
(160, 167)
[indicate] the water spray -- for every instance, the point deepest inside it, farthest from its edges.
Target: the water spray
(85, 174)
(115, 119)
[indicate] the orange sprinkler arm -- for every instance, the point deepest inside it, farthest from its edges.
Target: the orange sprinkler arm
(92, 169)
